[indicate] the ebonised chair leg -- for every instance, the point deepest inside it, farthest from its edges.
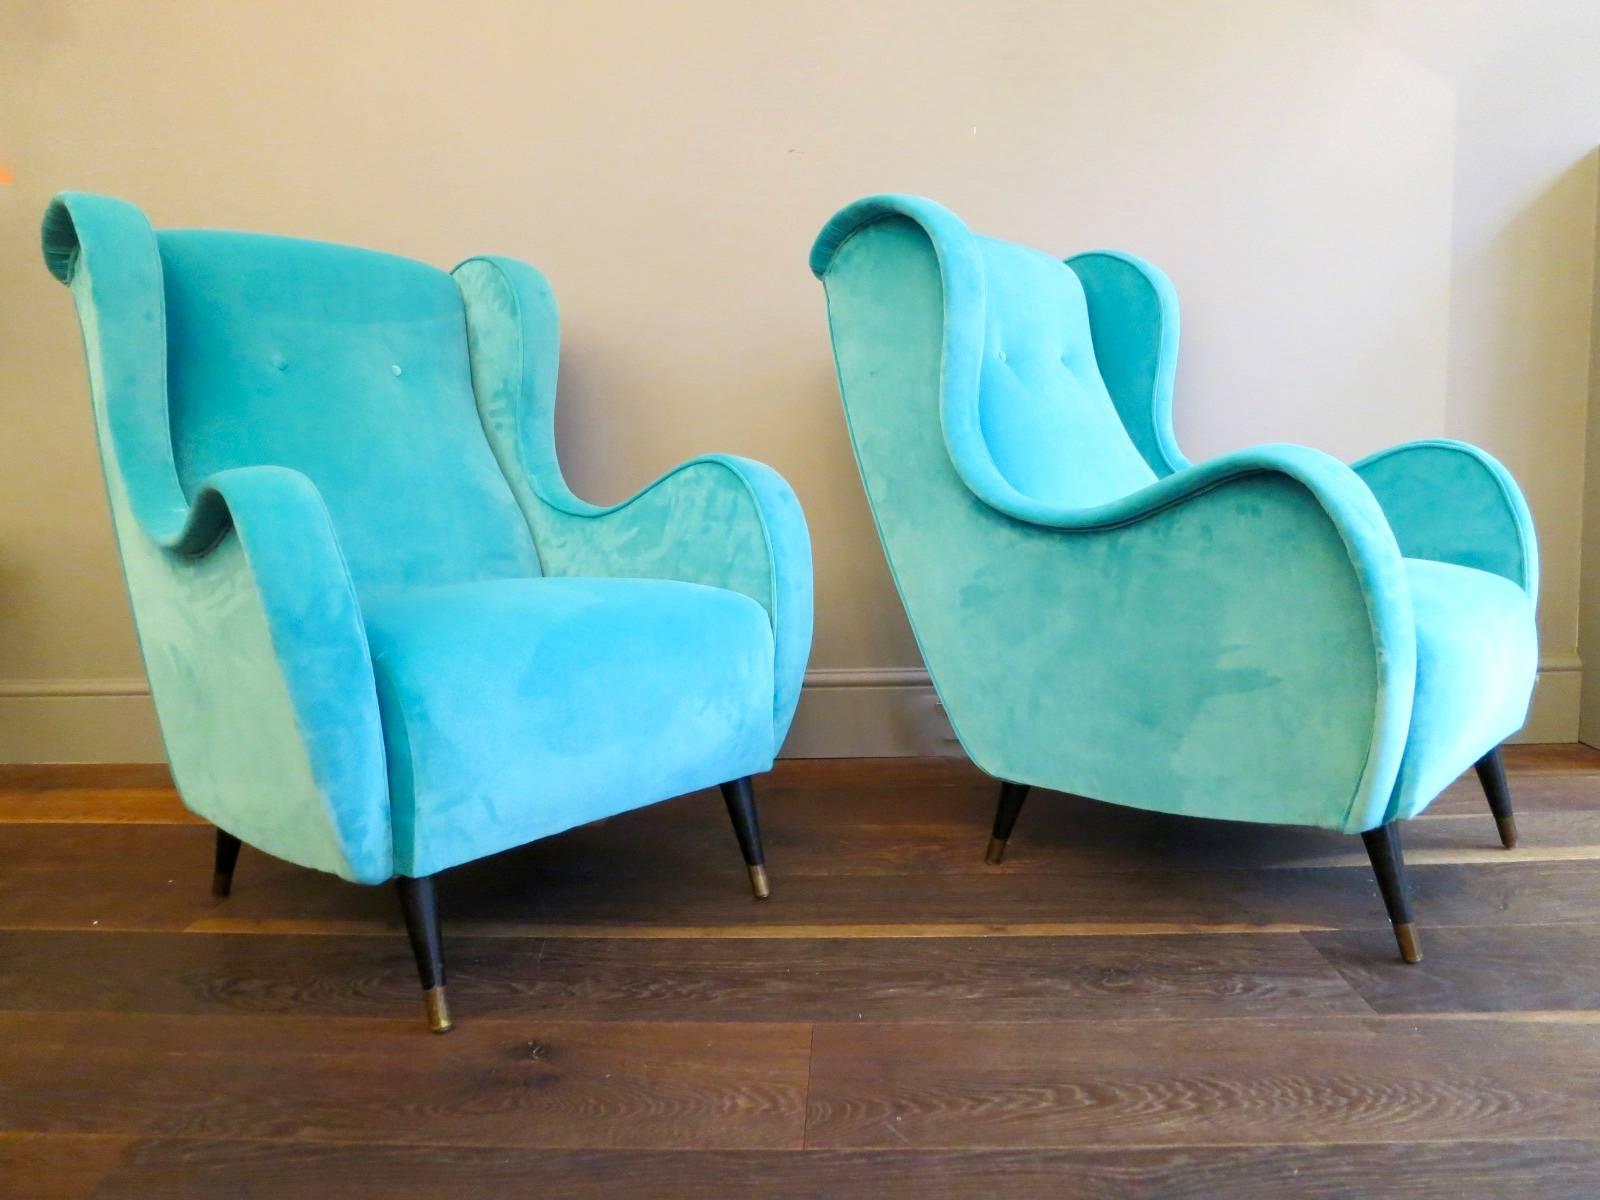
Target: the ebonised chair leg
(1005, 819)
(1383, 848)
(421, 908)
(227, 858)
(1492, 774)
(741, 800)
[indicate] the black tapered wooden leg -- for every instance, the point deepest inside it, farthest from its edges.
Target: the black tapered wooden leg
(227, 858)
(1492, 774)
(1005, 819)
(421, 907)
(1383, 848)
(741, 800)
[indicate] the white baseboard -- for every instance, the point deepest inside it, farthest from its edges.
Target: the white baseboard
(1553, 716)
(894, 712)
(844, 713)
(877, 712)
(78, 720)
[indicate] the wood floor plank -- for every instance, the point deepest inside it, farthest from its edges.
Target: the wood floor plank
(125, 806)
(1534, 967)
(804, 773)
(848, 829)
(835, 979)
(1552, 757)
(159, 1169)
(154, 877)
(500, 900)
(1123, 839)
(931, 816)
(1334, 1079)
(1531, 791)
(43, 1167)
(531, 1083)
(944, 832)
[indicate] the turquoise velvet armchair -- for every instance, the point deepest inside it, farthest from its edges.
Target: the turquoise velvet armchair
(382, 636)
(1270, 636)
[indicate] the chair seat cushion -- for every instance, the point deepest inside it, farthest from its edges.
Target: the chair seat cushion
(513, 709)
(1477, 656)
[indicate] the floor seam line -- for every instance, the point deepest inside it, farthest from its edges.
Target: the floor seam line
(811, 1070)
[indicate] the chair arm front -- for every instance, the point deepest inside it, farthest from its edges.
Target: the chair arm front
(1345, 501)
(247, 619)
(1450, 502)
(261, 673)
(717, 520)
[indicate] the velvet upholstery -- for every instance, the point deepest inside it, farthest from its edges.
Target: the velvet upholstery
(585, 692)
(359, 654)
(1269, 636)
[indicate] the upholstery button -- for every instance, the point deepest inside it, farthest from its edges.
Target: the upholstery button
(395, 368)
(280, 362)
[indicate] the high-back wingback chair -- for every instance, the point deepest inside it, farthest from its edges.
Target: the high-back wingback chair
(1269, 636)
(382, 635)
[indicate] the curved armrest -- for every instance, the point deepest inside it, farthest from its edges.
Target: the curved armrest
(1335, 485)
(1450, 502)
(260, 667)
(1340, 501)
(247, 620)
(1345, 500)
(719, 520)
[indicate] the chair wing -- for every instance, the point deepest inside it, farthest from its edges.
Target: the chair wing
(1453, 503)
(717, 520)
(1133, 313)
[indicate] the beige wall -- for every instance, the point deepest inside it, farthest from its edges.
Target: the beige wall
(1378, 215)
(1527, 83)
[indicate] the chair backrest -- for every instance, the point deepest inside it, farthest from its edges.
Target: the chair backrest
(968, 373)
(351, 367)
(1046, 418)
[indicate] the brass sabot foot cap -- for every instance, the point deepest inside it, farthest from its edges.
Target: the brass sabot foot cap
(221, 885)
(1508, 831)
(996, 852)
(758, 882)
(1410, 947)
(438, 1009)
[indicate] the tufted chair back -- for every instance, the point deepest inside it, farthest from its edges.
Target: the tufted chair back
(1046, 417)
(351, 367)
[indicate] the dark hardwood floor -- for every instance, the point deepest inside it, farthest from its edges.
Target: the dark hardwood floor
(1130, 1007)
